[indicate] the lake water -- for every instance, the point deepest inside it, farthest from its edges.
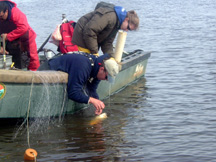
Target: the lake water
(169, 115)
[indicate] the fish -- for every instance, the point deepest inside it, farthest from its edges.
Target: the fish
(98, 118)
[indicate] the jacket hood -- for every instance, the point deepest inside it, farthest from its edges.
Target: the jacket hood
(9, 2)
(10, 6)
(121, 13)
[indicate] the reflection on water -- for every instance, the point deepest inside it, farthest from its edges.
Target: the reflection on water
(77, 139)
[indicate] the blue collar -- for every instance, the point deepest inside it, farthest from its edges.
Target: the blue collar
(121, 13)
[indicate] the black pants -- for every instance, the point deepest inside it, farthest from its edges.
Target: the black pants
(19, 57)
(44, 66)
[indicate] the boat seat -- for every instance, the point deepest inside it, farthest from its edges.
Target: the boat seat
(20, 76)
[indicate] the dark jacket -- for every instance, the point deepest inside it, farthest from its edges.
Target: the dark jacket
(97, 29)
(80, 73)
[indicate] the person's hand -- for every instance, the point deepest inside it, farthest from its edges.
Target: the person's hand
(99, 105)
(4, 36)
(2, 52)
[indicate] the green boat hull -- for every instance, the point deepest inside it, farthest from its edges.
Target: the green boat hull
(43, 94)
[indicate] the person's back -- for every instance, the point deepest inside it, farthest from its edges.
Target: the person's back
(98, 28)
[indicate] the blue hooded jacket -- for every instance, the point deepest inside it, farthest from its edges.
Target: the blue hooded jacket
(121, 13)
(79, 71)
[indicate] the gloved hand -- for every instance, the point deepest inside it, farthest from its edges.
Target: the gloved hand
(96, 54)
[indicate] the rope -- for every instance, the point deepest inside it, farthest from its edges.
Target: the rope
(4, 55)
(34, 157)
(29, 105)
(63, 104)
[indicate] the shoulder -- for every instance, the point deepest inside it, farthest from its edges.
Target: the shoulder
(75, 57)
(77, 60)
(16, 13)
(104, 5)
(16, 10)
(104, 8)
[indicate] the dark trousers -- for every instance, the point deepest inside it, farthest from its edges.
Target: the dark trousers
(44, 66)
(20, 58)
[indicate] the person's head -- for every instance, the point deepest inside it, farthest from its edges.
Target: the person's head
(108, 70)
(3, 10)
(131, 21)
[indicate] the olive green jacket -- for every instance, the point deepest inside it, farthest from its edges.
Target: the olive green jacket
(97, 29)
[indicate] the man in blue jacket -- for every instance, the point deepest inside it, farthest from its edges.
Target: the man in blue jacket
(84, 74)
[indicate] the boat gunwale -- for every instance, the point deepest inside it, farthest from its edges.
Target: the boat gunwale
(49, 76)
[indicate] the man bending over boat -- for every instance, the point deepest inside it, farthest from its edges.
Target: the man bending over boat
(21, 43)
(84, 74)
(98, 28)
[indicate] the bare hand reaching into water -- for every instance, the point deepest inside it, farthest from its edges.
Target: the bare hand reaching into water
(98, 104)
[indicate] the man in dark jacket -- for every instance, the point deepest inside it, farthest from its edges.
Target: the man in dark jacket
(84, 74)
(15, 29)
(99, 28)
